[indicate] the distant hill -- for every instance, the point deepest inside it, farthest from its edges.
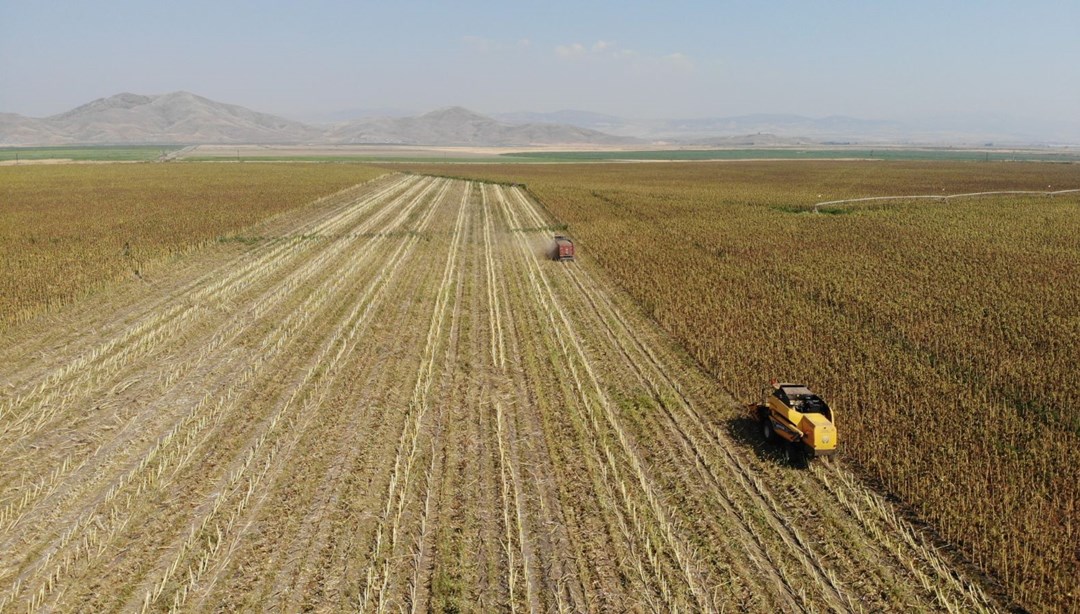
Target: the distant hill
(701, 131)
(458, 126)
(19, 130)
(832, 127)
(973, 129)
(184, 118)
(178, 117)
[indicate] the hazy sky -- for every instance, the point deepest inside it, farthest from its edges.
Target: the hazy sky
(871, 59)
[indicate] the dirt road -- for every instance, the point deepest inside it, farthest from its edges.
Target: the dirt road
(392, 401)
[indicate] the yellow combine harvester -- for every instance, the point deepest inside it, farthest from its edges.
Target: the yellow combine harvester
(799, 419)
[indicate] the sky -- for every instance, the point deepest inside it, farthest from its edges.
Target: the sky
(634, 58)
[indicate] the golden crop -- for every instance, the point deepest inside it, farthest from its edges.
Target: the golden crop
(67, 229)
(947, 334)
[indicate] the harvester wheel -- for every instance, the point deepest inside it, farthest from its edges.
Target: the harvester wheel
(766, 429)
(794, 455)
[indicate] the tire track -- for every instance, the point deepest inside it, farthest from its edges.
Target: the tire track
(637, 557)
(422, 560)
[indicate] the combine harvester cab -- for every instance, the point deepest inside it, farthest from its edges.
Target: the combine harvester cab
(800, 420)
(564, 248)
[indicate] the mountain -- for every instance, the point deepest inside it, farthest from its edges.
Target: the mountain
(833, 127)
(347, 115)
(17, 129)
(178, 117)
(184, 118)
(701, 131)
(458, 126)
(763, 129)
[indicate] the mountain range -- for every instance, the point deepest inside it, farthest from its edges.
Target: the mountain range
(185, 118)
(458, 126)
(786, 129)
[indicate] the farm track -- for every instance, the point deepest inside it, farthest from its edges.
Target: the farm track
(394, 403)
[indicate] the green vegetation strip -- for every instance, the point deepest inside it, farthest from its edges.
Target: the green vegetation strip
(89, 153)
(362, 159)
(798, 154)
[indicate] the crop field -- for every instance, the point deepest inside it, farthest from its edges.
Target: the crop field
(66, 230)
(945, 331)
(390, 400)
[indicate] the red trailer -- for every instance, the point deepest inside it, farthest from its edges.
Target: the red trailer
(564, 248)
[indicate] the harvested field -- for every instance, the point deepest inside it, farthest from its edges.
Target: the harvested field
(391, 401)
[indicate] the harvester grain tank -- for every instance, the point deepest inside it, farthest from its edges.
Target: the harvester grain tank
(799, 419)
(564, 248)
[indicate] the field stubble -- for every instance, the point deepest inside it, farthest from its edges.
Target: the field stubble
(410, 410)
